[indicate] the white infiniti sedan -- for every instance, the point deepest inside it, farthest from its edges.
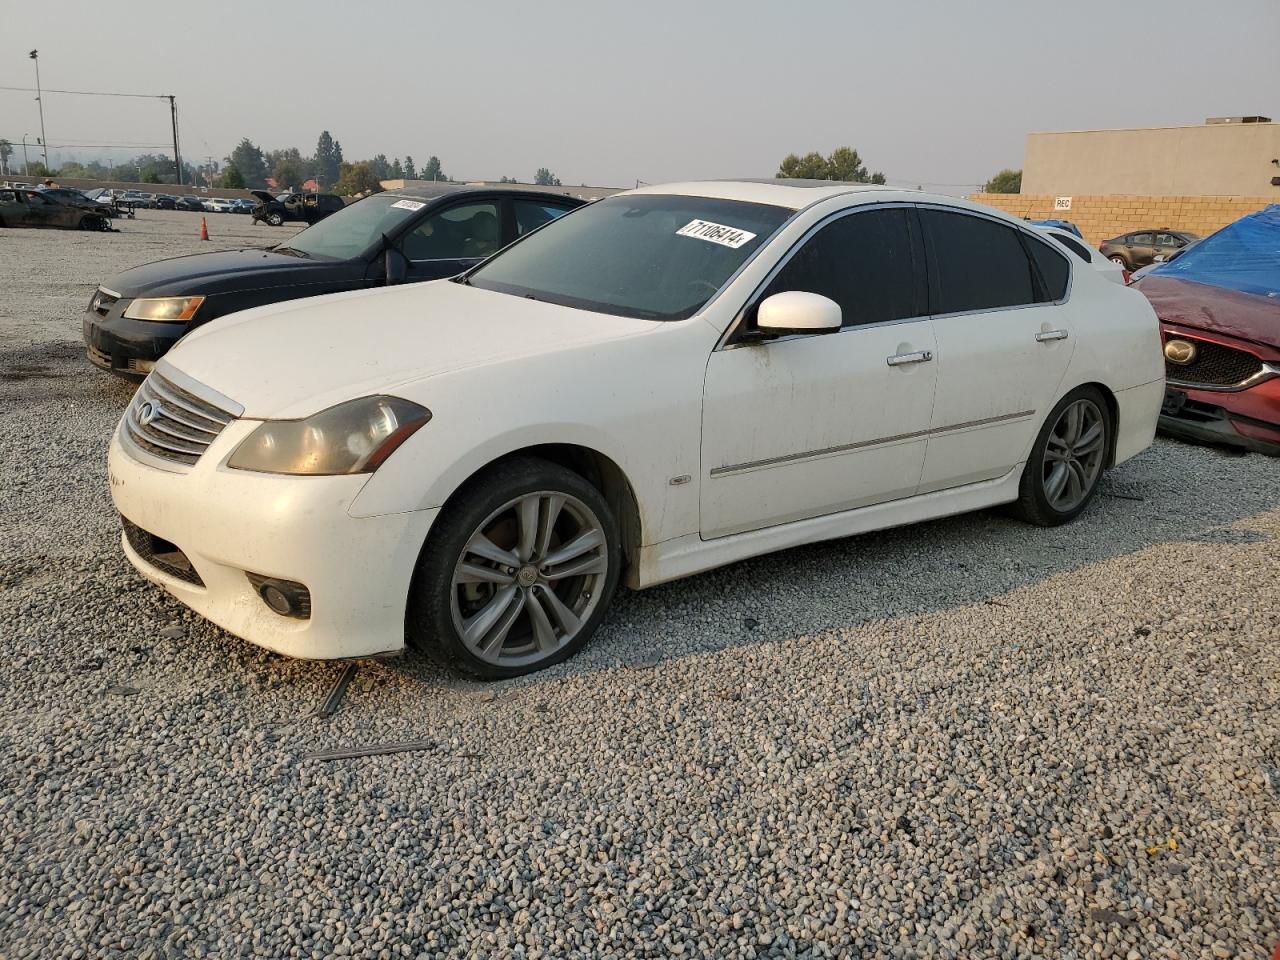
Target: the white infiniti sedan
(656, 384)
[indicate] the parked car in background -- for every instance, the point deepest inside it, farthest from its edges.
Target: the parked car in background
(1073, 242)
(241, 205)
(164, 202)
(1161, 258)
(39, 208)
(662, 382)
(295, 207)
(1066, 225)
(1141, 247)
(1219, 309)
(75, 198)
(219, 205)
(434, 232)
(188, 203)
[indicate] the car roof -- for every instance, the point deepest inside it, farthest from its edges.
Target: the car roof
(434, 191)
(794, 194)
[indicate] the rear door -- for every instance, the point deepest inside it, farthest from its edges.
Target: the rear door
(453, 238)
(43, 212)
(1003, 343)
(1141, 248)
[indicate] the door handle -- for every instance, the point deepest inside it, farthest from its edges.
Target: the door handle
(902, 359)
(1045, 335)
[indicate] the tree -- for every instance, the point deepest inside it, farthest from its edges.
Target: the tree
(397, 171)
(356, 178)
(328, 159)
(508, 180)
(379, 166)
(1006, 181)
(545, 178)
(231, 177)
(6, 151)
(410, 171)
(151, 176)
(287, 173)
(249, 160)
(432, 170)
(844, 164)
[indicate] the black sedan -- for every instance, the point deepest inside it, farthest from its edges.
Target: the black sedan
(47, 208)
(402, 237)
(188, 203)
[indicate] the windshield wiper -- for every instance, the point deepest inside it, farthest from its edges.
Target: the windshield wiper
(463, 279)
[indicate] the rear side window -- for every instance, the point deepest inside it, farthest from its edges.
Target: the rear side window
(977, 264)
(864, 262)
(1075, 246)
(1055, 272)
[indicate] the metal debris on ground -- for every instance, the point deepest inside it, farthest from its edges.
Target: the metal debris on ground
(349, 753)
(336, 692)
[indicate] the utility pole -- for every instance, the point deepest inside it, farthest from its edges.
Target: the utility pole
(177, 157)
(44, 140)
(26, 162)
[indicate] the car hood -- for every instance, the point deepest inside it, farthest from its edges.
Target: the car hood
(263, 196)
(293, 359)
(209, 273)
(1186, 303)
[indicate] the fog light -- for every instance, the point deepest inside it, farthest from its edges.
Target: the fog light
(284, 597)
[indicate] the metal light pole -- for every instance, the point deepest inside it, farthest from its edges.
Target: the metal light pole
(44, 140)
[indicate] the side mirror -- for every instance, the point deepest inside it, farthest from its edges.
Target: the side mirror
(395, 264)
(795, 311)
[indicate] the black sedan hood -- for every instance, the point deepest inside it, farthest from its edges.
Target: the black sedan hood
(221, 272)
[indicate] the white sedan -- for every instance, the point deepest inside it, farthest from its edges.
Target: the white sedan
(1104, 265)
(656, 384)
(219, 205)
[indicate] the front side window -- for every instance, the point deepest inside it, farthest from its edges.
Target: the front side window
(649, 256)
(462, 232)
(865, 262)
(976, 263)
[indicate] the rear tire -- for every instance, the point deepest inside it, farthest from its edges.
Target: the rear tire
(1121, 261)
(517, 573)
(1067, 460)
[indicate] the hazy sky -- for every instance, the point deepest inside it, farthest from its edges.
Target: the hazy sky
(937, 93)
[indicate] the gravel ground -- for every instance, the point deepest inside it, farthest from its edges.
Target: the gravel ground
(968, 738)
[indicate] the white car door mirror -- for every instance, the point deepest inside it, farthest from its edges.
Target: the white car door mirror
(795, 311)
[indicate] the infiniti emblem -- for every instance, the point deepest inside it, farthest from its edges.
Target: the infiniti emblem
(149, 412)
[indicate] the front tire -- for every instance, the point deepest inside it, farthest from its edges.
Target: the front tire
(1067, 461)
(517, 573)
(274, 219)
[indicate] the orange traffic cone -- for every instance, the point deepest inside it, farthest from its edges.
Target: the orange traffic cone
(204, 229)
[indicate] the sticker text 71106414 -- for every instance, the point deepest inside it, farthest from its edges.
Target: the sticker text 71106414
(716, 233)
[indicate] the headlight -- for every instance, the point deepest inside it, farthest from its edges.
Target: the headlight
(353, 437)
(164, 309)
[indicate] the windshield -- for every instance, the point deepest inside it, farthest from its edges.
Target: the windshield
(646, 256)
(351, 231)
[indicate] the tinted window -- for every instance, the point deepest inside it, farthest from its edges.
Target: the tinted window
(1053, 267)
(464, 231)
(356, 228)
(977, 264)
(1075, 246)
(651, 256)
(1141, 239)
(531, 214)
(863, 262)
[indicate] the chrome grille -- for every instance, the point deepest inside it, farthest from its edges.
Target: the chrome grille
(1214, 365)
(170, 423)
(102, 301)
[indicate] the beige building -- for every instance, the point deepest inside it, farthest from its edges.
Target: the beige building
(1223, 157)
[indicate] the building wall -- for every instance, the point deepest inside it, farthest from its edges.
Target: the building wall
(1215, 159)
(1102, 217)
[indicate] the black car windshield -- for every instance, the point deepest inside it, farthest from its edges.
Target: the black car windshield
(351, 231)
(649, 256)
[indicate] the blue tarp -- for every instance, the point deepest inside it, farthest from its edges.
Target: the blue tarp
(1243, 256)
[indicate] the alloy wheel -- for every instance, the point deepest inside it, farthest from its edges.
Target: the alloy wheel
(1074, 454)
(529, 577)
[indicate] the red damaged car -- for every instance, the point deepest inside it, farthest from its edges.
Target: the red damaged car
(1219, 310)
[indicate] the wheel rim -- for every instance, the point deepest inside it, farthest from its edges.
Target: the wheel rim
(1073, 455)
(529, 578)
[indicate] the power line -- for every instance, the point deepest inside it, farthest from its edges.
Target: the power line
(93, 93)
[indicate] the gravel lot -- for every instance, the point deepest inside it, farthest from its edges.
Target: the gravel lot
(968, 738)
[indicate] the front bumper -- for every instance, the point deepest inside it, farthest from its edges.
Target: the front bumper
(230, 523)
(1246, 418)
(124, 346)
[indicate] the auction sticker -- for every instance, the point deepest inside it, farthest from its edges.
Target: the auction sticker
(716, 233)
(408, 205)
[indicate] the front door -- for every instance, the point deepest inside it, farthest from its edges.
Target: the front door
(804, 426)
(1002, 344)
